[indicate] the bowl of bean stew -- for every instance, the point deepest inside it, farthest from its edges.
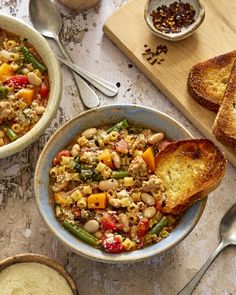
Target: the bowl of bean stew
(96, 187)
(30, 85)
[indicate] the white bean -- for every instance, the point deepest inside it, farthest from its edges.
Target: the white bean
(40, 110)
(108, 184)
(88, 133)
(34, 79)
(116, 159)
(155, 138)
(149, 212)
(124, 220)
(148, 199)
(75, 150)
(91, 226)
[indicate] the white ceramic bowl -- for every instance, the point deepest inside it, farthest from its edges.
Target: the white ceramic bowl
(20, 28)
(137, 115)
(185, 32)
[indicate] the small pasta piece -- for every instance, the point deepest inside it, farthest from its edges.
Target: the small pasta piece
(133, 208)
(58, 211)
(114, 202)
(106, 172)
(82, 203)
(53, 172)
(100, 167)
(15, 56)
(132, 217)
(10, 44)
(82, 141)
(125, 202)
(87, 190)
(124, 221)
(128, 244)
(111, 194)
(16, 128)
(77, 195)
(2, 133)
(128, 181)
(136, 196)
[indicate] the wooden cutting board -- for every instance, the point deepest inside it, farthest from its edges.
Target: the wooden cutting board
(217, 35)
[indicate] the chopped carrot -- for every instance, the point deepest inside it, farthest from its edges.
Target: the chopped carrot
(149, 158)
(105, 157)
(27, 95)
(6, 72)
(97, 201)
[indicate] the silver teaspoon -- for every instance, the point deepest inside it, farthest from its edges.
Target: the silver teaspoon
(107, 88)
(228, 237)
(47, 20)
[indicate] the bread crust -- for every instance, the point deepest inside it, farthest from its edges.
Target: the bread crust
(224, 127)
(207, 80)
(189, 170)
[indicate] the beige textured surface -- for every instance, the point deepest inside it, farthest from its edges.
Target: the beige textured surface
(21, 228)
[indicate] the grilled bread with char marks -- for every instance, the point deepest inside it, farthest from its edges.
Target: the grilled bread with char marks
(189, 170)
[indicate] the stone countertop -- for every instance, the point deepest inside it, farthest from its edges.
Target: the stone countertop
(22, 229)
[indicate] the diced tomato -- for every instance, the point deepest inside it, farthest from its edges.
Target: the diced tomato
(143, 227)
(18, 81)
(109, 222)
(159, 206)
(122, 146)
(44, 91)
(57, 159)
(112, 244)
(163, 144)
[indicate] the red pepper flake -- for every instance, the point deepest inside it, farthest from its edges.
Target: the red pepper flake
(173, 18)
(151, 55)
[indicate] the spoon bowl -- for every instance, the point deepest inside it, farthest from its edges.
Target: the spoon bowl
(45, 18)
(228, 226)
(228, 234)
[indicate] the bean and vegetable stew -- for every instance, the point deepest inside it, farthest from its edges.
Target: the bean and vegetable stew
(24, 87)
(105, 190)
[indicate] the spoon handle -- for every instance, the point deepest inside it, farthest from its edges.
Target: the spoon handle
(188, 289)
(88, 96)
(107, 88)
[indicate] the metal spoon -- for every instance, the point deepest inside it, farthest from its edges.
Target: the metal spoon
(47, 20)
(228, 237)
(108, 88)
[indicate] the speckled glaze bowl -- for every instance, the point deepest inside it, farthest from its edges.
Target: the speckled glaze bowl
(185, 32)
(37, 258)
(20, 28)
(137, 115)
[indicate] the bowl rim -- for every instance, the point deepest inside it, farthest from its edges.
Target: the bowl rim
(54, 95)
(177, 36)
(42, 259)
(91, 253)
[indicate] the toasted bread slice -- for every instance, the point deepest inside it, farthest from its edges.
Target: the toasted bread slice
(208, 79)
(189, 170)
(224, 127)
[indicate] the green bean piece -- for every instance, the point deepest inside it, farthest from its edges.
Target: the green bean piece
(97, 177)
(81, 233)
(32, 59)
(3, 92)
(119, 174)
(9, 132)
(159, 226)
(119, 126)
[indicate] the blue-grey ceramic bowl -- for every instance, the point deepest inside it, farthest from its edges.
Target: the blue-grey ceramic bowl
(137, 115)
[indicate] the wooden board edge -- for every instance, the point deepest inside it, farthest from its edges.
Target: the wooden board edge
(228, 152)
